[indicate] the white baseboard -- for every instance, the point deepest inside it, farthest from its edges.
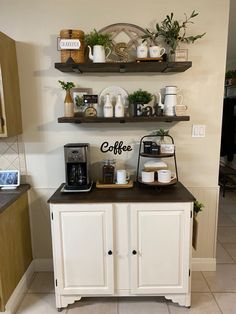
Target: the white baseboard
(203, 264)
(37, 265)
(20, 290)
(43, 264)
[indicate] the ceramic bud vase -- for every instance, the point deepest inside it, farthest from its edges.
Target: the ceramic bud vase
(68, 105)
(108, 108)
(119, 108)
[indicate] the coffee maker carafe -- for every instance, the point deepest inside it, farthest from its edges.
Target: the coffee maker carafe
(77, 167)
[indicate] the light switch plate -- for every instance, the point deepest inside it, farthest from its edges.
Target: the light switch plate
(198, 130)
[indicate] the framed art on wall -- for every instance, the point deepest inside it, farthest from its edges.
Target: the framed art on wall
(77, 96)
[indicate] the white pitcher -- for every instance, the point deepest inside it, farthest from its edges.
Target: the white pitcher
(170, 103)
(99, 53)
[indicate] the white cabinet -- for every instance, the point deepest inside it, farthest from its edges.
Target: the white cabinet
(121, 249)
(83, 249)
(160, 248)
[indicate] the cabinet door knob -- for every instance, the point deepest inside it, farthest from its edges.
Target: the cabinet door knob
(109, 252)
(134, 252)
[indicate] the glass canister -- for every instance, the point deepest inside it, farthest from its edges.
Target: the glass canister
(108, 171)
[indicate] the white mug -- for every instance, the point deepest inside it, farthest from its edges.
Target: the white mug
(164, 176)
(142, 51)
(180, 109)
(122, 176)
(148, 176)
(156, 51)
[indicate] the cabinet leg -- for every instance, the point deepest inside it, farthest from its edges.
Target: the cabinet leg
(59, 309)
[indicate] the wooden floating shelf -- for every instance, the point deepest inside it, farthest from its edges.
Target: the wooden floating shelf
(124, 67)
(156, 155)
(121, 120)
(159, 184)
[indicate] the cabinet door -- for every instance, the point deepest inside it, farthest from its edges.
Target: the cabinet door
(10, 106)
(83, 248)
(160, 237)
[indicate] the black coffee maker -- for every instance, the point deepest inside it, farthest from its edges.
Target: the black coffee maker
(77, 167)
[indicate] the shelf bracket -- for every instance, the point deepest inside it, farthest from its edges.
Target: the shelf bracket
(77, 70)
(122, 68)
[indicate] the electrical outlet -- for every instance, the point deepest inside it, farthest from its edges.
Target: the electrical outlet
(198, 130)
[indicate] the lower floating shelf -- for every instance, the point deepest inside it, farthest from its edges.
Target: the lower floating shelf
(122, 120)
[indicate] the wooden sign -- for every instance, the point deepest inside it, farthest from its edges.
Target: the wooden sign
(117, 148)
(68, 44)
(90, 99)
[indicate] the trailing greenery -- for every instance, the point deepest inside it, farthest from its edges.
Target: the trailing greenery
(66, 85)
(140, 97)
(94, 38)
(230, 74)
(197, 207)
(173, 32)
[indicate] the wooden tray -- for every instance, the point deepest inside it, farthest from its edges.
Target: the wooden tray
(101, 185)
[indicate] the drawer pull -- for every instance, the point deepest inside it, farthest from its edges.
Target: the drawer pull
(134, 252)
(109, 252)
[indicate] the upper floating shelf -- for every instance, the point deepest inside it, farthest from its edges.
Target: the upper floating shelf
(124, 67)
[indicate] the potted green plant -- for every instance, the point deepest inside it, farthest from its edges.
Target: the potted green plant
(68, 102)
(173, 32)
(197, 207)
(137, 99)
(101, 43)
(230, 77)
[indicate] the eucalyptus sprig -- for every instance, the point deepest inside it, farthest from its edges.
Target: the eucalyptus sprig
(66, 85)
(173, 32)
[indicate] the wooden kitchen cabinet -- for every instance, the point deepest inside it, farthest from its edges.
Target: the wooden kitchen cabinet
(15, 241)
(10, 106)
(121, 249)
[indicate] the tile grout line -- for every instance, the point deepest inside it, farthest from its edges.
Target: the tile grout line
(233, 258)
(212, 293)
(217, 304)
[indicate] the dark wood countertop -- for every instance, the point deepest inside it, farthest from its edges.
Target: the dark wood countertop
(173, 193)
(7, 197)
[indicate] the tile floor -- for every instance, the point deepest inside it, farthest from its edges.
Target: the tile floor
(212, 292)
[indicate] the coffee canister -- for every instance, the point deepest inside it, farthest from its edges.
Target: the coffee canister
(78, 54)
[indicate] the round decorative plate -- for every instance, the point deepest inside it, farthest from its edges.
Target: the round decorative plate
(125, 35)
(113, 91)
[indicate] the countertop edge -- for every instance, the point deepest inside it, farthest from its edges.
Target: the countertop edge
(177, 194)
(7, 197)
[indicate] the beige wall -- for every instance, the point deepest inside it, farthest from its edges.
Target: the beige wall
(35, 26)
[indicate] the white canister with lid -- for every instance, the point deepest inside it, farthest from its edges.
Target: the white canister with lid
(119, 107)
(108, 107)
